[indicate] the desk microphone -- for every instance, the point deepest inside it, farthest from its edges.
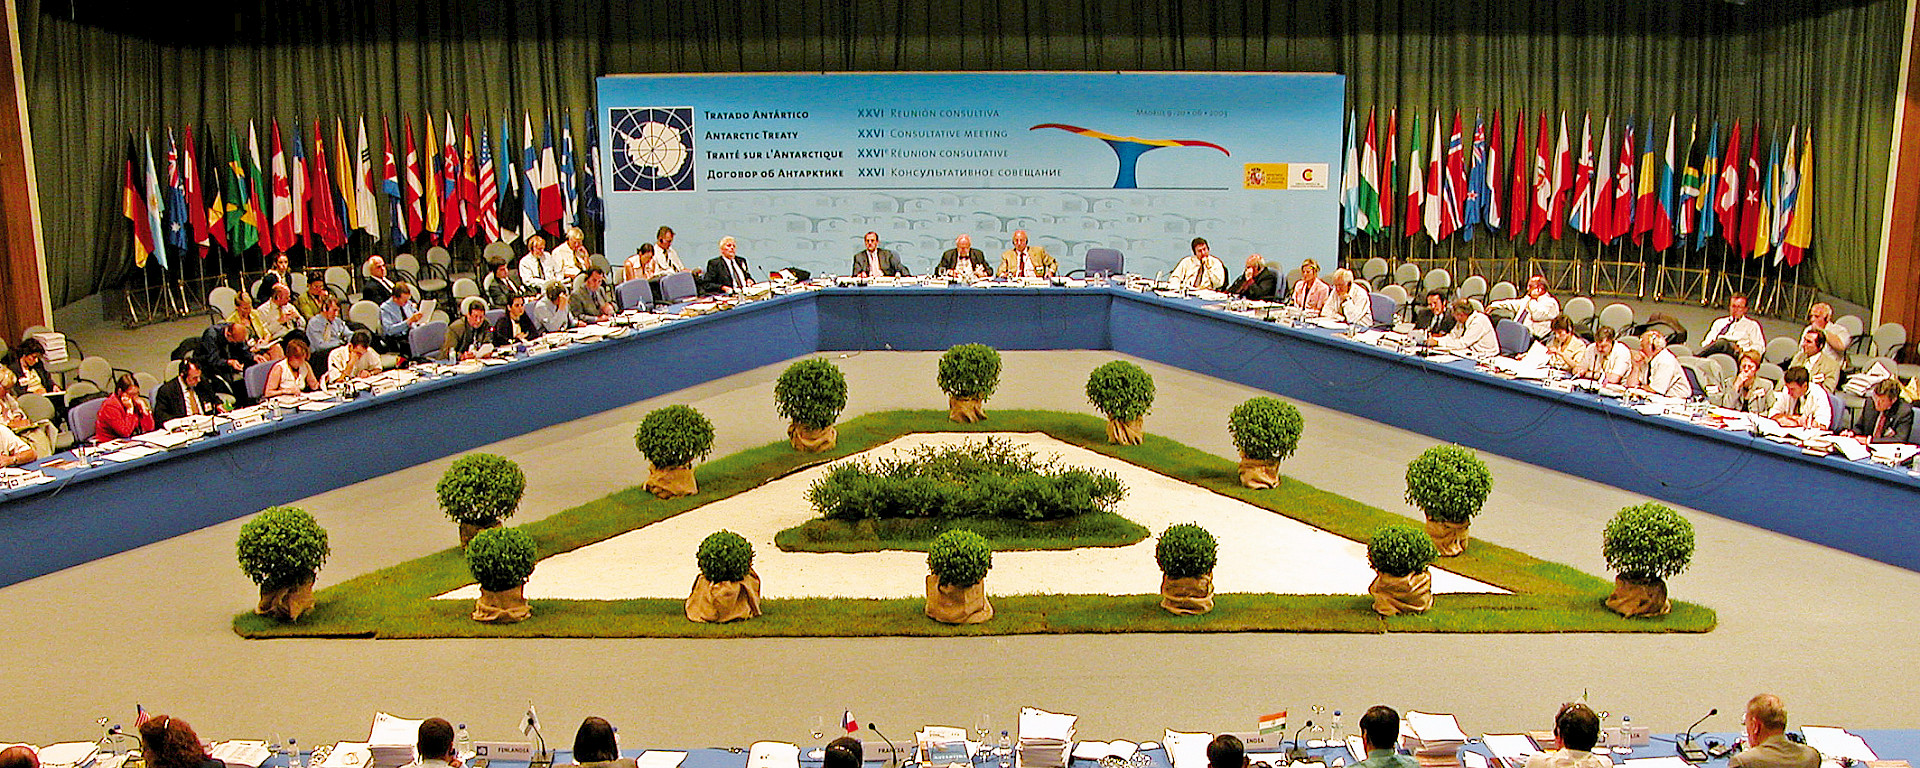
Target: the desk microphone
(1299, 752)
(893, 755)
(1689, 749)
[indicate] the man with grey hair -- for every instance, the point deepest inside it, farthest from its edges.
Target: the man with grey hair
(1767, 742)
(964, 261)
(1664, 376)
(1472, 334)
(1820, 318)
(1024, 261)
(728, 273)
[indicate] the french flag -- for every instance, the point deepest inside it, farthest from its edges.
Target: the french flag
(847, 721)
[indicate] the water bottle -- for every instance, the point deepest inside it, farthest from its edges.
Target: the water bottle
(464, 743)
(1005, 750)
(293, 753)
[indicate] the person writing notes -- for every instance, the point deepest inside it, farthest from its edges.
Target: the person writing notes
(963, 261)
(293, 375)
(1472, 334)
(1347, 301)
(1802, 403)
(1885, 418)
(1606, 360)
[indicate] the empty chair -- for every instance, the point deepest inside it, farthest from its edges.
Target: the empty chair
(1439, 278)
(1473, 287)
(339, 282)
(1383, 308)
(220, 302)
(599, 260)
(39, 407)
(147, 381)
(297, 282)
(1616, 316)
(1852, 323)
(632, 294)
(33, 329)
(1376, 272)
(1513, 337)
(1502, 291)
(81, 391)
(1578, 309)
(97, 371)
(1773, 373)
(1105, 262)
(1888, 337)
(677, 286)
(365, 313)
(1781, 350)
(405, 268)
(82, 417)
(1407, 276)
(256, 378)
(1399, 296)
(438, 316)
(464, 288)
(497, 251)
(424, 340)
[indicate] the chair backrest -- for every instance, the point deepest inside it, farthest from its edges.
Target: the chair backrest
(33, 329)
(439, 257)
(496, 250)
(98, 371)
(1502, 291)
(405, 267)
(1780, 350)
(256, 378)
(677, 286)
(467, 302)
(425, 339)
(365, 313)
(1407, 274)
(38, 406)
(1375, 271)
(1395, 292)
(1616, 316)
(220, 300)
(1105, 261)
(147, 381)
(339, 280)
(494, 315)
(1473, 286)
(1579, 309)
(1839, 408)
(1681, 350)
(1888, 337)
(81, 419)
(465, 287)
(1772, 372)
(599, 260)
(1514, 338)
(1437, 278)
(1729, 365)
(439, 316)
(1852, 323)
(633, 294)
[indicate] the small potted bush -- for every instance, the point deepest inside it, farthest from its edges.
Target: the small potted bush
(480, 490)
(1400, 555)
(1644, 545)
(968, 374)
(1266, 430)
(282, 550)
(1187, 554)
(501, 560)
(727, 589)
(956, 588)
(1449, 484)
(1124, 392)
(811, 393)
(672, 439)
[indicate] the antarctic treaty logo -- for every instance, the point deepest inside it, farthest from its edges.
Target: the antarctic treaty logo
(652, 149)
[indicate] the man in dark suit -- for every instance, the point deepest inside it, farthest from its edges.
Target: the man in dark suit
(1885, 418)
(976, 262)
(184, 395)
(728, 273)
(376, 288)
(1258, 282)
(224, 357)
(876, 261)
(1434, 319)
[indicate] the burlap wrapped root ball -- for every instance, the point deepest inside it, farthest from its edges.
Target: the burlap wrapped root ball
(672, 439)
(281, 550)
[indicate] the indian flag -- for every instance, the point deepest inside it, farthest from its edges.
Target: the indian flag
(1274, 723)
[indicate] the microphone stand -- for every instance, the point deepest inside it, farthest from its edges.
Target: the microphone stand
(1688, 748)
(541, 757)
(893, 755)
(1299, 752)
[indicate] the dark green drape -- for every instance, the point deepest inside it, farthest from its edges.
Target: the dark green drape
(94, 74)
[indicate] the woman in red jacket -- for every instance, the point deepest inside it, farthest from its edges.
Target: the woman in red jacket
(125, 413)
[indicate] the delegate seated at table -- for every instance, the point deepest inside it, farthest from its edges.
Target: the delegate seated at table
(1564, 347)
(1664, 375)
(1767, 742)
(1433, 319)
(1748, 393)
(664, 253)
(591, 301)
(1885, 418)
(467, 335)
(1023, 261)
(1536, 310)
(1227, 751)
(224, 356)
(37, 432)
(435, 745)
(875, 261)
(1258, 282)
(278, 316)
(1310, 292)
(293, 375)
(1472, 334)
(573, 254)
(728, 272)
(642, 265)
(308, 303)
(843, 752)
(169, 742)
(326, 331)
(1199, 270)
(125, 413)
(1347, 301)
(963, 261)
(1380, 733)
(516, 326)
(184, 395)
(1818, 356)
(540, 266)
(1577, 729)
(1802, 403)
(356, 360)
(1606, 360)
(398, 317)
(15, 450)
(594, 746)
(551, 312)
(502, 284)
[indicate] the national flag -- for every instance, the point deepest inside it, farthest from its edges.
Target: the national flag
(1473, 211)
(1350, 181)
(1623, 184)
(1709, 189)
(366, 216)
(1646, 196)
(1783, 201)
(1726, 206)
(1561, 180)
(282, 196)
(469, 179)
(140, 716)
(194, 194)
(1580, 203)
(590, 204)
(156, 207)
(212, 222)
(133, 205)
(416, 190)
(346, 187)
(1600, 197)
(487, 193)
(433, 184)
(1662, 227)
(1519, 200)
(242, 220)
(509, 179)
(259, 173)
(1454, 190)
(553, 204)
(1435, 201)
(1750, 189)
(178, 219)
(302, 192)
(1800, 214)
(328, 229)
(390, 184)
(1370, 223)
(1416, 184)
(1687, 214)
(1493, 182)
(1769, 189)
(1389, 165)
(453, 207)
(1274, 723)
(848, 723)
(1543, 182)
(569, 191)
(529, 179)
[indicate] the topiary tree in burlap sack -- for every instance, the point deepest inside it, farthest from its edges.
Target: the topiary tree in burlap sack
(1449, 484)
(672, 438)
(968, 374)
(1645, 544)
(1400, 555)
(1267, 431)
(727, 589)
(501, 560)
(1124, 393)
(281, 550)
(479, 490)
(811, 393)
(725, 556)
(1186, 554)
(959, 561)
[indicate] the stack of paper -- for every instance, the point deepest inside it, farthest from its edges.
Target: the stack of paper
(1512, 748)
(1101, 750)
(1046, 738)
(942, 745)
(391, 740)
(346, 754)
(1187, 750)
(1834, 743)
(658, 758)
(241, 754)
(773, 754)
(1434, 740)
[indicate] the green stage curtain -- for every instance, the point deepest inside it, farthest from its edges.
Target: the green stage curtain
(95, 74)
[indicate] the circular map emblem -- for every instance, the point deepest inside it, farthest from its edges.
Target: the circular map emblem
(652, 149)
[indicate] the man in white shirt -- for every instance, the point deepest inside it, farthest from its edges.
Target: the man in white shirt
(1664, 376)
(1472, 334)
(1348, 301)
(436, 744)
(1577, 729)
(1734, 333)
(572, 254)
(278, 315)
(1802, 403)
(540, 267)
(1605, 361)
(1200, 270)
(1536, 310)
(356, 360)
(1820, 318)
(665, 255)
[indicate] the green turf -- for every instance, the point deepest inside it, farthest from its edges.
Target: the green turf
(393, 602)
(1095, 529)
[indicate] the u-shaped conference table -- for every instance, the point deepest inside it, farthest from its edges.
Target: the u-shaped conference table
(88, 513)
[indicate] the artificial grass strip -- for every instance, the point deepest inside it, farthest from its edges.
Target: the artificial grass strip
(395, 602)
(1094, 529)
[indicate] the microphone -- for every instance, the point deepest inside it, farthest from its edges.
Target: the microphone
(1689, 749)
(1299, 752)
(893, 757)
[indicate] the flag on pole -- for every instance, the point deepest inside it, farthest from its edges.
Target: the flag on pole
(1623, 184)
(366, 216)
(156, 208)
(1542, 213)
(452, 204)
(1580, 205)
(390, 184)
(1350, 181)
(1800, 225)
(1662, 226)
(416, 190)
(1687, 215)
(346, 187)
(242, 219)
(1519, 202)
(1491, 203)
(1389, 164)
(1600, 197)
(509, 179)
(1370, 182)
(847, 722)
(569, 192)
(178, 219)
(1416, 183)
(1454, 190)
(590, 174)
(1769, 193)
(1727, 204)
(1709, 189)
(211, 225)
(1435, 200)
(529, 179)
(259, 173)
(302, 195)
(1475, 206)
(553, 204)
(328, 228)
(195, 195)
(1274, 723)
(433, 186)
(1750, 183)
(1647, 195)
(282, 197)
(133, 205)
(487, 200)
(469, 179)
(1560, 181)
(1789, 193)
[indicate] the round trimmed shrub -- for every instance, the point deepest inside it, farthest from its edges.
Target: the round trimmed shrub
(501, 558)
(481, 488)
(1266, 428)
(725, 556)
(1400, 550)
(674, 436)
(812, 392)
(1186, 551)
(282, 546)
(1648, 541)
(1448, 483)
(959, 558)
(970, 371)
(1121, 390)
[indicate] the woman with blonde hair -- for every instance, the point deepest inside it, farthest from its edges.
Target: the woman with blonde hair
(1310, 293)
(1748, 392)
(38, 434)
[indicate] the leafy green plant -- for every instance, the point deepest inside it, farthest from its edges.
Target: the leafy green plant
(1448, 483)
(1648, 541)
(282, 546)
(990, 478)
(959, 558)
(725, 556)
(1400, 550)
(812, 392)
(481, 488)
(970, 371)
(1121, 390)
(1186, 551)
(1266, 428)
(674, 436)
(501, 558)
